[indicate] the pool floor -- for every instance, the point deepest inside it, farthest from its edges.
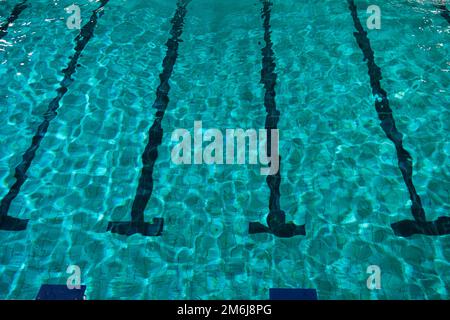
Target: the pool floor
(83, 111)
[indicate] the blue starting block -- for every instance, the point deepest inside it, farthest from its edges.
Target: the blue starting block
(60, 292)
(292, 294)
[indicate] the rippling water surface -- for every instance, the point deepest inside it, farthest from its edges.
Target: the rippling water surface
(339, 171)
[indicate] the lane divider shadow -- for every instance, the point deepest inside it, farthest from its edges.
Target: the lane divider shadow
(7, 222)
(145, 186)
(17, 10)
(445, 13)
(419, 225)
(276, 219)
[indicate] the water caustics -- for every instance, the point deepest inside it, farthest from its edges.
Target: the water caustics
(150, 154)
(445, 13)
(276, 219)
(86, 33)
(419, 225)
(17, 10)
(212, 252)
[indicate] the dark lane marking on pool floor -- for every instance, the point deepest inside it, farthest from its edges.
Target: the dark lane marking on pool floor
(419, 225)
(276, 219)
(145, 186)
(86, 33)
(445, 13)
(17, 10)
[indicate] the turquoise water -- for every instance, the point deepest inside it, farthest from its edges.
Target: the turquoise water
(339, 172)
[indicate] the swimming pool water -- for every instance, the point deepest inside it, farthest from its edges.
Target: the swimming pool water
(339, 173)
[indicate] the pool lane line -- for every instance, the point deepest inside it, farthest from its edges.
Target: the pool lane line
(419, 225)
(276, 219)
(87, 31)
(445, 13)
(150, 154)
(17, 10)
